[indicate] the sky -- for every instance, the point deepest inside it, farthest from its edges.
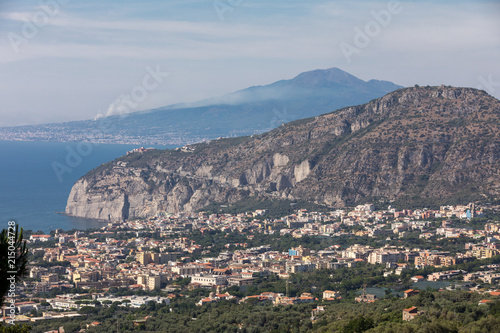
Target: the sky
(63, 60)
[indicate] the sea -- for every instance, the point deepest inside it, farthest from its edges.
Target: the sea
(36, 179)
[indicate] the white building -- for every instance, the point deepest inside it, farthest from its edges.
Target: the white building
(209, 280)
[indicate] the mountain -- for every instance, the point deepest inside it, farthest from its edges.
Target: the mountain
(249, 111)
(434, 144)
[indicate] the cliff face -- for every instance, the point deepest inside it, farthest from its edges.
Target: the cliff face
(434, 142)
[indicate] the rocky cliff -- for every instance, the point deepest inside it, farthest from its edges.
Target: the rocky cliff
(431, 142)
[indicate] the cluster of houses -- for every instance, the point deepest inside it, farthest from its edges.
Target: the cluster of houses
(119, 255)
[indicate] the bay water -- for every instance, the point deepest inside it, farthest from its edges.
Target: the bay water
(36, 178)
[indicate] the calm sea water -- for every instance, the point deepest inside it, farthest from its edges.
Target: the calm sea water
(31, 192)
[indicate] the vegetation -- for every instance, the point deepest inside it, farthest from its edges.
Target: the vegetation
(355, 155)
(15, 329)
(441, 312)
(13, 258)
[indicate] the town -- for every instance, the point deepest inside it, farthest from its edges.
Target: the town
(224, 256)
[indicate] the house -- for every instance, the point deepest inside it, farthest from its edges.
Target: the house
(316, 311)
(265, 296)
(330, 295)
(93, 324)
(209, 280)
(24, 307)
(40, 238)
(306, 299)
(484, 301)
(410, 293)
(417, 278)
(203, 301)
(240, 281)
(366, 298)
(270, 295)
(223, 296)
(410, 313)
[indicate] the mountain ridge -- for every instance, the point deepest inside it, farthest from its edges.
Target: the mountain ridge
(437, 143)
(249, 111)
(330, 76)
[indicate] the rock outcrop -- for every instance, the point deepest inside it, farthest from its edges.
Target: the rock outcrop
(432, 142)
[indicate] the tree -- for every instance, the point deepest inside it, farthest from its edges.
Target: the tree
(15, 329)
(359, 325)
(71, 327)
(13, 258)
(88, 310)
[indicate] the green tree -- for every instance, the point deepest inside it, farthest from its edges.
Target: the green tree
(71, 327)
(15, 329)
(358, 325)
(13, 258)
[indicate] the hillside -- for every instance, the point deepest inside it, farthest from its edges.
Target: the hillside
(253, 110)
(436, 143)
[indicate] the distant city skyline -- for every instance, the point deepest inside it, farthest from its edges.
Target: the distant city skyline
(63, 60)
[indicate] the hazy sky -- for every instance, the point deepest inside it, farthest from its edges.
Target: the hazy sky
(66, 60)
